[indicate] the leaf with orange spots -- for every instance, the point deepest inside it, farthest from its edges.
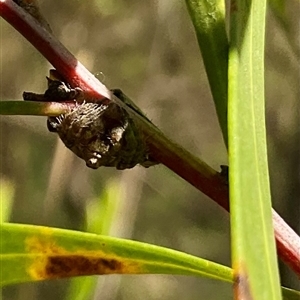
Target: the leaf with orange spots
(32, 253)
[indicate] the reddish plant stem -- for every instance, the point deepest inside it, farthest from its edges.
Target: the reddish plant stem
(186, 165)
(69, 67)
(171, 155)
(287, 242)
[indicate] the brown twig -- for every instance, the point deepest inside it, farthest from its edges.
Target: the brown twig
(179, 160)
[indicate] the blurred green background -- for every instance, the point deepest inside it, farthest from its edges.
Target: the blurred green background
(149, 50)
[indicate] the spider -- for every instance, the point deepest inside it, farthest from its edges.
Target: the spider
(100, 134)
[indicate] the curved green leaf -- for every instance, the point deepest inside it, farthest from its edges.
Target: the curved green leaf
(30, 253)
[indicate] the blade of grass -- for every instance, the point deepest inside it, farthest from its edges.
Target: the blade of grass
(30, 253)
(7, 190)
(208, 18)
(253, 244)
(289, 294)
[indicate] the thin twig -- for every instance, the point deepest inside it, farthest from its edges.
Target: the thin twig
(34, 108)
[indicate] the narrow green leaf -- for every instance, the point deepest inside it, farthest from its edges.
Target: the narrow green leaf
(253, 244)
(31, 253)
(6, 199)
(208, 17)
(289, 294)
(102, 215)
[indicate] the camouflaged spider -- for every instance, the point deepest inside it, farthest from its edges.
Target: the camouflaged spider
(100, 134)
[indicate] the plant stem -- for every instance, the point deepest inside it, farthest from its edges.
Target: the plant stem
(34, 108)
(69, 67)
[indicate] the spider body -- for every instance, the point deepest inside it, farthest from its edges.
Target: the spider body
(102, 135)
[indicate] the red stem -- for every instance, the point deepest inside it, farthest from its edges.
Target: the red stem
(195, 172)
(69, 67)
(287, 242)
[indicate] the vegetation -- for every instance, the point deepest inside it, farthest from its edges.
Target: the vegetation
(149, 51)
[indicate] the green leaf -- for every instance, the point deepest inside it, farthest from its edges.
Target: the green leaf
(253, 244)
(6, 192)
(31, 253)
(289, 294)
(208, 17)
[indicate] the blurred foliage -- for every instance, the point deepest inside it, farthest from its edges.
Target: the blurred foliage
(149, 50)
